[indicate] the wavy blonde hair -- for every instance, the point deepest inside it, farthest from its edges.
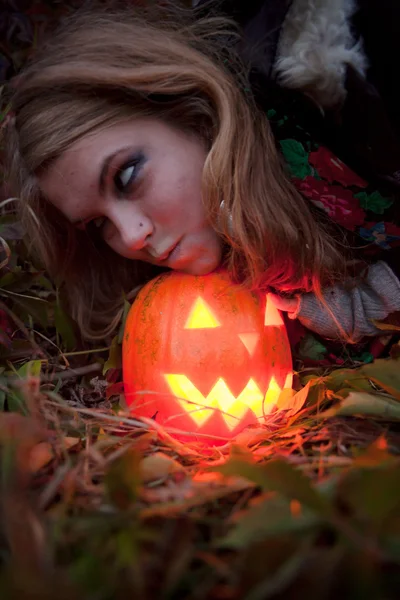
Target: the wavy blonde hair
(103, 67)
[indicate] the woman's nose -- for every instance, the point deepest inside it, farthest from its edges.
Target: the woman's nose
(133, 226)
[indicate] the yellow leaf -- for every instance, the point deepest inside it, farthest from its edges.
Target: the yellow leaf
(293, 403)
(43, 453)
(251, 436)
(285, 398)
(385, 326)
(359, 403)
(40, 456)
(158, 466)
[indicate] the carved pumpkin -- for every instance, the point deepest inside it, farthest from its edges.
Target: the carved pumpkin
(203, 355)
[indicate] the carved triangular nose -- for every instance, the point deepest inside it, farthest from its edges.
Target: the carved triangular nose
(201, 316)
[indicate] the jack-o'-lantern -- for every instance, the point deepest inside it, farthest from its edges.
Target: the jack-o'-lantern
(204, 356)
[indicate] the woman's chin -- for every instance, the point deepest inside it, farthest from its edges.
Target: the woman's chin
(202, 266)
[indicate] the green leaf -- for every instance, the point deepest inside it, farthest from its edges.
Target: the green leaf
(374, 493)
(31, 368)
(64, 327)
(360, 403)
(279, 476)
(311, 348)
(114, 360)
(276, 584)
(348, 378)
(2, 400)
(123, 479)
(16, 402)
(376, 455)
(19, 281)
(386, 374)
(374, 202)
(296, 158)
(34, 307)
(271, 518)
(127, 307)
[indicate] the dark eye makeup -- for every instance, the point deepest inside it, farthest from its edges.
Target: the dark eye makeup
(123, 181)
(127, 173)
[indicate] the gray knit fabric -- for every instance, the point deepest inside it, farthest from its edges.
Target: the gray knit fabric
(355, 310)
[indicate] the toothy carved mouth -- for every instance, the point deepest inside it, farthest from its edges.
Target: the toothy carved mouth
(221, 399)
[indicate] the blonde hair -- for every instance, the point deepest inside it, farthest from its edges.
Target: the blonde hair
(104, 67)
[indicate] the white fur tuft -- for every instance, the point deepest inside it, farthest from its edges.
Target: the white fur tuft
(315, 47)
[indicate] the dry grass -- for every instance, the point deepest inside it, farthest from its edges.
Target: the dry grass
(96, 505)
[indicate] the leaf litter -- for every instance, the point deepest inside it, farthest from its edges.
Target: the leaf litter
(110, 504)
(97, 504)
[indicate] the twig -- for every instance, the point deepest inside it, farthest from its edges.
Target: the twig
(22, 327)
(68, 374)
(71, 373)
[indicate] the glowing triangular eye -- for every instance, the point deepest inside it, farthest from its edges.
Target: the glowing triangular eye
(201, 316)
(250, 341)
(272, 315)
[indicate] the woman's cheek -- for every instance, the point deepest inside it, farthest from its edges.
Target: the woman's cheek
(112, 238)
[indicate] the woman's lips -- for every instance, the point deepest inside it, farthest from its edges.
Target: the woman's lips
(175, 252)
(165, 256)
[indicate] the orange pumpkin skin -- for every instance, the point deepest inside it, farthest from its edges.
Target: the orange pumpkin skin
(193, 342)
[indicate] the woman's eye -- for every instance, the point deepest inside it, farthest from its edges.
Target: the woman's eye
(94, 225)
(125, 176)
(99, 222)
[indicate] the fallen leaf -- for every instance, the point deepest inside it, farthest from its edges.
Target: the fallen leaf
(64, 327)
(376, 454)
(271, 518)
(386, 374)
(348, 378)
(293, 404)
(395, 351)
(373, 492)
(279, 476)
(360, 403)
(264, 451)
(122, 480)
(385, 326)
(40, 456)
(114, 389)
(285, 397)
(43, 453)
(205, 477)
(175, 499)
(158, 466)
(14, 426)
(251, 436)
(292, 432)
(114, 357)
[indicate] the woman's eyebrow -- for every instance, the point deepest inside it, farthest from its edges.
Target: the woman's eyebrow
(104, 169)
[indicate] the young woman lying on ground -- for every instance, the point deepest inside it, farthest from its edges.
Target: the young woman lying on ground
(170, 140)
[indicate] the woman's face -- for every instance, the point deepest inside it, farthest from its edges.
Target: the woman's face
(138, 184)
